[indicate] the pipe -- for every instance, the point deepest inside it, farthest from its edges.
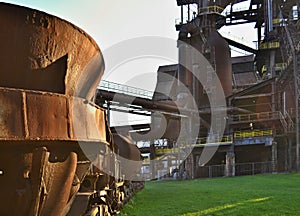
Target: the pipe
(270, 15)
(148, 104)
(189, 13)
(181, 14)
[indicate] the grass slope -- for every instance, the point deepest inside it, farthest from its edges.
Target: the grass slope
(247, 195)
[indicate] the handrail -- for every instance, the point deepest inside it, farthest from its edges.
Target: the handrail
(210, 10)
(238, 39)
(166, 150)
(289, 121)
(283, 121)
(256, 116)
(292, 112)
(204, 140)
(287, 46)
(252, 133)
(269, 45)
(125, 89)
(278, 67)
(260, 116)
(225, 140)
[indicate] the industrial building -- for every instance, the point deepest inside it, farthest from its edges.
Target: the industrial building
(261, 89)
(260, 121)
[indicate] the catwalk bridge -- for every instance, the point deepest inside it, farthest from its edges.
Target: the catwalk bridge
(128, 99)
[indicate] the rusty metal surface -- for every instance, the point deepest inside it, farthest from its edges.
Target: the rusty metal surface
(49, 72)
(11, 119)
(129, 156)
(58, 178)
(45, 115)
(14, 182)
(88, 120)
(222, 60)
(205, 3)
(43, 52)
(31, 115)
(36, 181)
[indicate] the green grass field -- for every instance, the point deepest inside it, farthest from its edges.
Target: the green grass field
(277, 194)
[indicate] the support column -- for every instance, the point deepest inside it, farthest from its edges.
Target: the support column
(274, 157)
(270, 15)
(152, 159)
(290, 154)
(230, 164)
(169, 165)
(193, 166)
(258, 36)
(189, 167)
(108, 113)
(181, 14)
(272, 69)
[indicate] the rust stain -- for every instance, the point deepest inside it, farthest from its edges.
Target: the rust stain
(49, 72)
(26, 130)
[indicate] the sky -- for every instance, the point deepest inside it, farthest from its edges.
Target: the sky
(109, 22)
(112, 23)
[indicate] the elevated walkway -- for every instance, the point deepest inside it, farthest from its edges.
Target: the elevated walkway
(250, 137)
(284, 120)
(125, 89)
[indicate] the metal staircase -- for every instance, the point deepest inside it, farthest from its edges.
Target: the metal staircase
(290, 44)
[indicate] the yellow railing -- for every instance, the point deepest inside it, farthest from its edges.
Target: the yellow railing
(269, 45)
(225, 140)
(278, 22)
(202, 141)
(210, 10)
(252, 133)
(278, 66)
(166, 150)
